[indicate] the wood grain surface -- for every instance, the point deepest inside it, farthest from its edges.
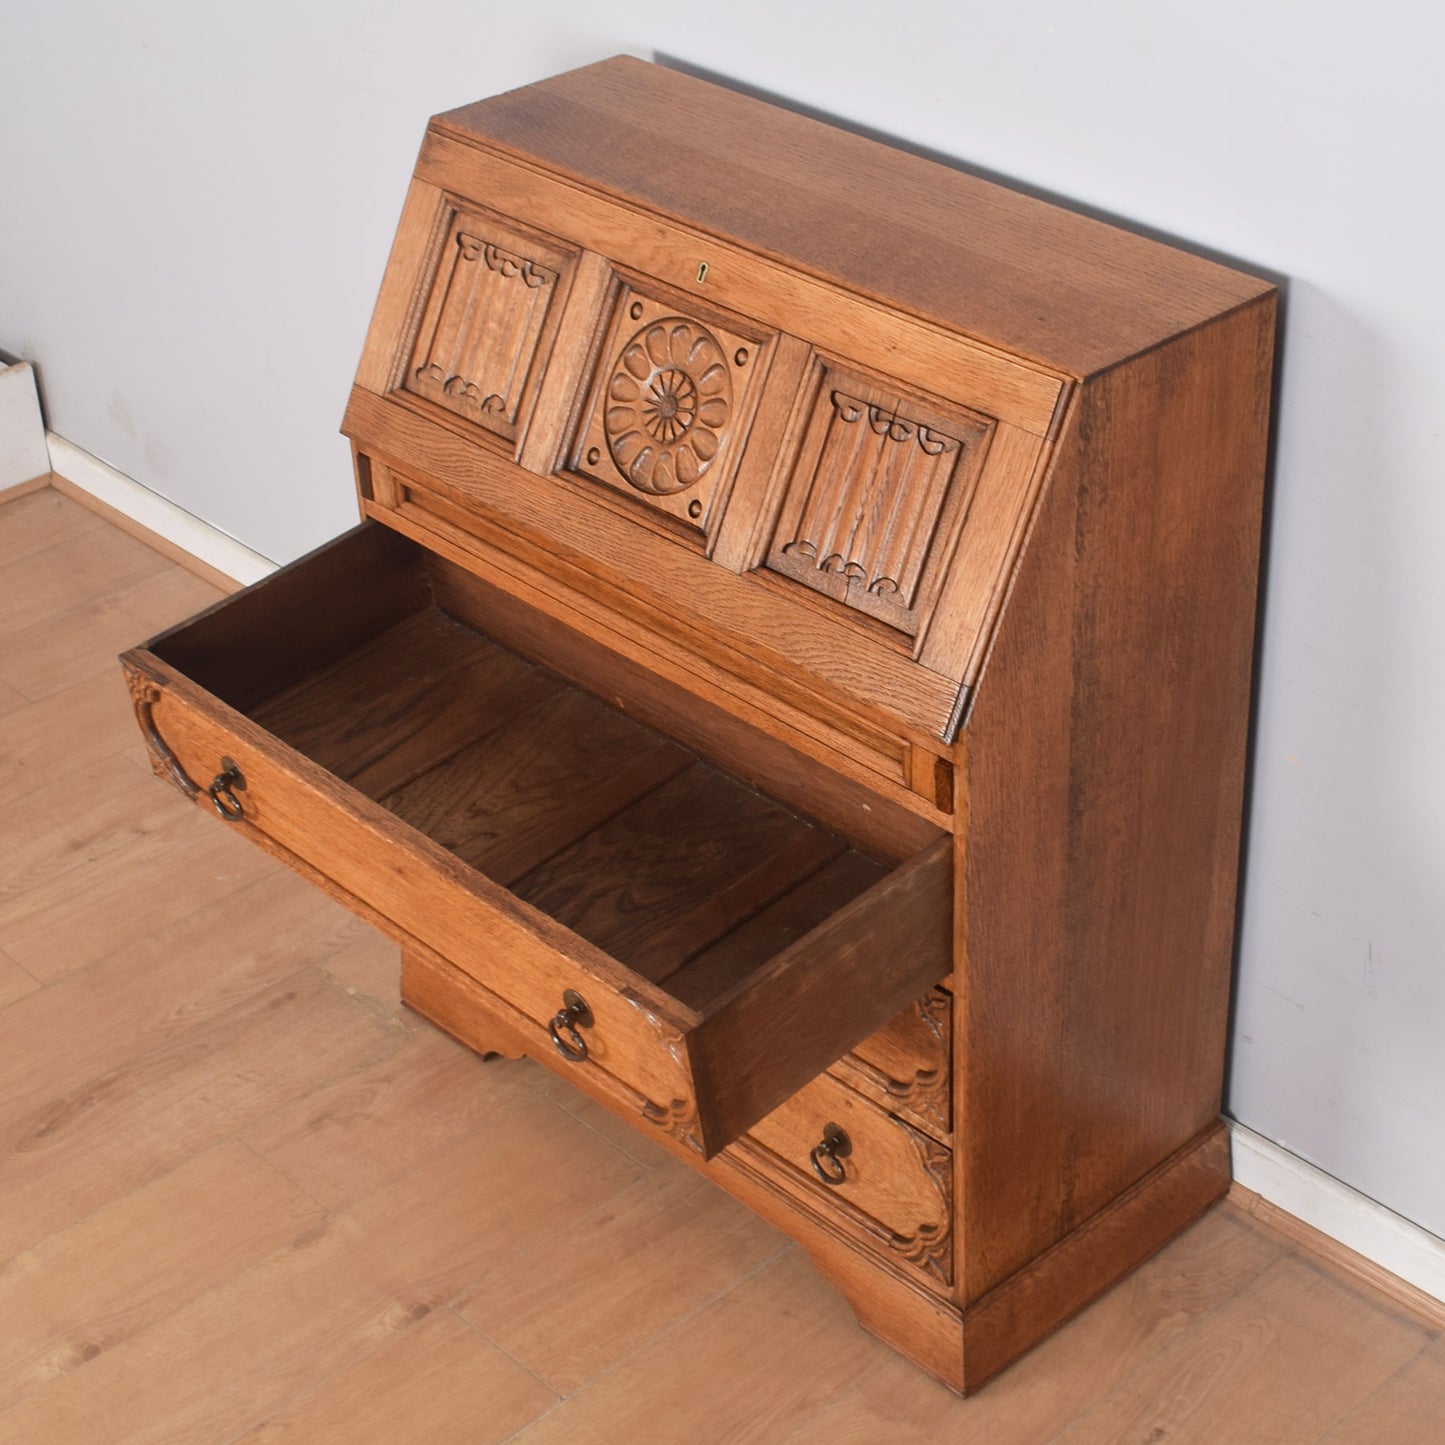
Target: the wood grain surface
(1043, 281)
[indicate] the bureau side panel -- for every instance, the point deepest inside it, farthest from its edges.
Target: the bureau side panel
(1105, 766)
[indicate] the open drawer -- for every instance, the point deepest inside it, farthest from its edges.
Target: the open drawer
(708, 947)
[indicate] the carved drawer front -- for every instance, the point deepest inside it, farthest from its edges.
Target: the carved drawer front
(654, 916)
(905, 1065)
(874, 1175)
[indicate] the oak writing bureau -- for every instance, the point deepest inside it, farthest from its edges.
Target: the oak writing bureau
(791, 679)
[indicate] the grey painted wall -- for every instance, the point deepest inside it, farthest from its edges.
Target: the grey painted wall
(196, 204)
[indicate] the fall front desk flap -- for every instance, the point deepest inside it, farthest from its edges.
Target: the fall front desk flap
(768, 399)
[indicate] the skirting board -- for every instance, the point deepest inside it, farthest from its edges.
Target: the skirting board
(117, 493)
(22, 434)
(1379, 1235)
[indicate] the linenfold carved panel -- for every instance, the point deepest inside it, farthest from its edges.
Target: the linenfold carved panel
(491, 307)
(876, 496)
(670, 403)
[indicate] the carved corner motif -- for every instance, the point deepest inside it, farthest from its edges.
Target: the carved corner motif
(677, 1119)
(931, 1247)
(924, 1094)
(145, 692)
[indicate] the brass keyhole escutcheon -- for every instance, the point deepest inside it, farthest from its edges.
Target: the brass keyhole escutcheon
(572, 1016)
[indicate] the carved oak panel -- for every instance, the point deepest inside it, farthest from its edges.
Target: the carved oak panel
(492, 303)
(876, 496)
(670, 403)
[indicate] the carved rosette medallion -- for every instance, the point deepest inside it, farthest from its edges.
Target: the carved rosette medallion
(669, 400)
(669, 403)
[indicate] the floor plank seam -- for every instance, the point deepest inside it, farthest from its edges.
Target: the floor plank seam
(20, 968)
(180, 1304)
(1341, 1277)
(376, 1007)
(557, 1397)
(592, 1129)
(312, 1387)
(1142, 1358)
(1339, 1425)
(328, 1214)
(856, 1389)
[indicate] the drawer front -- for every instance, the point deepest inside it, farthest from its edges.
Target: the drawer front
(890, 1184)
(905, 1065)
(415, 885)
(482, 1020)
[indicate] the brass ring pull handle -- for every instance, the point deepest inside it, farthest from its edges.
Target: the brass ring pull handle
(223, 791)
(573, 1015)
(828, 1156)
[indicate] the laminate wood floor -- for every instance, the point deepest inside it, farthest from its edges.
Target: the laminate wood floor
(245, 1197)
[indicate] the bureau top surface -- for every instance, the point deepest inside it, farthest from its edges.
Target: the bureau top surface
(1007, 269)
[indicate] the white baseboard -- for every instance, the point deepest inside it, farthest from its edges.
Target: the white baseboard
(154, 513)
(23, 453)
(1299, 1188)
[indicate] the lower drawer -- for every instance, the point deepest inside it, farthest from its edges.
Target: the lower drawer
(864, 1169)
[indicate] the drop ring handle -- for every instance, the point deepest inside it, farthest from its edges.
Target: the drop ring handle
(827, 1156)
(572, 1016)
(222, 791)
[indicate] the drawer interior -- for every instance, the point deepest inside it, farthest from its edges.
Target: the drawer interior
(674, 867)
(670, 864)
